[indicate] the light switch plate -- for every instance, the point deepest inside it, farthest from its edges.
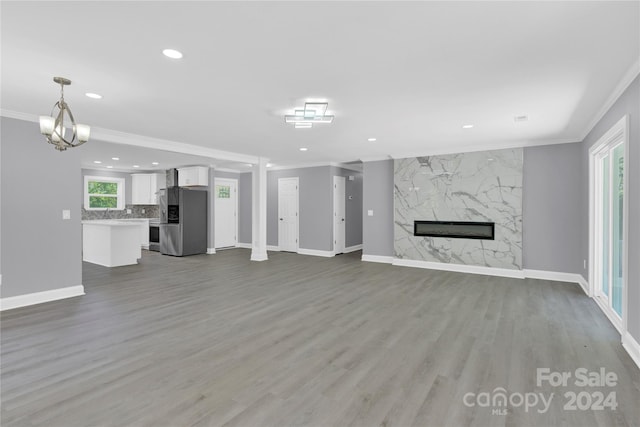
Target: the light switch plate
(370, 212)
(128, 211)
(143, 211)
(66, 214)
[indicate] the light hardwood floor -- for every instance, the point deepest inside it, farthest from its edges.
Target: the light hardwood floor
(299, 340)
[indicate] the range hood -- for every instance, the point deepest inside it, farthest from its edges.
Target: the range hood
(172, 177)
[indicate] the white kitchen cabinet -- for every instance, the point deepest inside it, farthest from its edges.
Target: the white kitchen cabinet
(193, 176)
(145, 186)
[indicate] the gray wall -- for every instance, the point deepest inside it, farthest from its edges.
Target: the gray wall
(377, 195)
(353, 207)
(244, 206)
(628, 103)
(315, 202)
(40, 251)
(552, 208)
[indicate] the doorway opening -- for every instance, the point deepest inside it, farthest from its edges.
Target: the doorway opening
(339, 215)
(288, 220)
(226, 213)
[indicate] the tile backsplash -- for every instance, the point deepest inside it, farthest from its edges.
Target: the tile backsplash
(150, 211)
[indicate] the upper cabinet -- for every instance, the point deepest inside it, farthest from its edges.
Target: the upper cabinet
(193, 176)
(145, 187)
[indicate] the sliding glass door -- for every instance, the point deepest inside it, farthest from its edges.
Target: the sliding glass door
(609, 236)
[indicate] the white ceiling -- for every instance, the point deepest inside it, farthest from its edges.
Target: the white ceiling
(407, 73)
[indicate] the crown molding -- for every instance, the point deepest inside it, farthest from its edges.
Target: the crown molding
(19, 115)
(436, 151)
(622, 85)
(375, 158)
(355, 168)
(117, 137)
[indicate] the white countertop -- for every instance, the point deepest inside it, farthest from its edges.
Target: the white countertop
(112, 222)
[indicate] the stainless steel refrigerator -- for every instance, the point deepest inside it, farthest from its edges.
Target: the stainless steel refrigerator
(183, 221)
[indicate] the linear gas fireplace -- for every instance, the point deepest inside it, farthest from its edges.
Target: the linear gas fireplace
(455, 229)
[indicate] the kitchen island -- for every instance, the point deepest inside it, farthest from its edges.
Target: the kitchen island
(111, 243)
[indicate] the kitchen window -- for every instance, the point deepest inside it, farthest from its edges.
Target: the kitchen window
(101, 192)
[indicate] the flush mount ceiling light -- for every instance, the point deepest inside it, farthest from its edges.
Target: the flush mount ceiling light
(172, 53)
(155, 163)
(372, 139)
(313, 112)
(54, 127)
(467, 126)
(93, 95)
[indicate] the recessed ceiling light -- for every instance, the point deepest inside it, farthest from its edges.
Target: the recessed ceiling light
(269, 165)
(115, 158)
(172, 53)
(249, 165)
(155, 163)
(372, 139)
(93, 95)
(303, 149)
(109, 167)
(136, 166)
(97, 162)
(467, 126)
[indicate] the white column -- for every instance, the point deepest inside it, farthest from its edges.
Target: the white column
(259, 211)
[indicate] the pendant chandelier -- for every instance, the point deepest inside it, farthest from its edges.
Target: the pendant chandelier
(53, 127)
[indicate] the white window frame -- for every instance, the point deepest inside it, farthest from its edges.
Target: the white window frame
(120, 196)
(619, 133)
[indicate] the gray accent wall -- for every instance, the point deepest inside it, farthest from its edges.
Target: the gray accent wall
(552, 208)
(245, 185)
(377, 195)
(627, 104)
(40, 251)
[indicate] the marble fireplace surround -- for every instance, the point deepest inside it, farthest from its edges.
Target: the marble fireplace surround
(481, 186)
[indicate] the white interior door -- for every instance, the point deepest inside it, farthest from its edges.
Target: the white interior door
(288, 214)
(338, 214)
(226, 212)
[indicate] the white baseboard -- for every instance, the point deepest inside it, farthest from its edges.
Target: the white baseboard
(40, 297)
(273, 248)
(243, 245)
(557, 276)
(352, 249)
(584, 284)
(315, 252)
(632, 347)
(460, 268)
(378, 258)
(211, 251)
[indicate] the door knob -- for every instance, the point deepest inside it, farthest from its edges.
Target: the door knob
(342, 219)
(281, 219)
